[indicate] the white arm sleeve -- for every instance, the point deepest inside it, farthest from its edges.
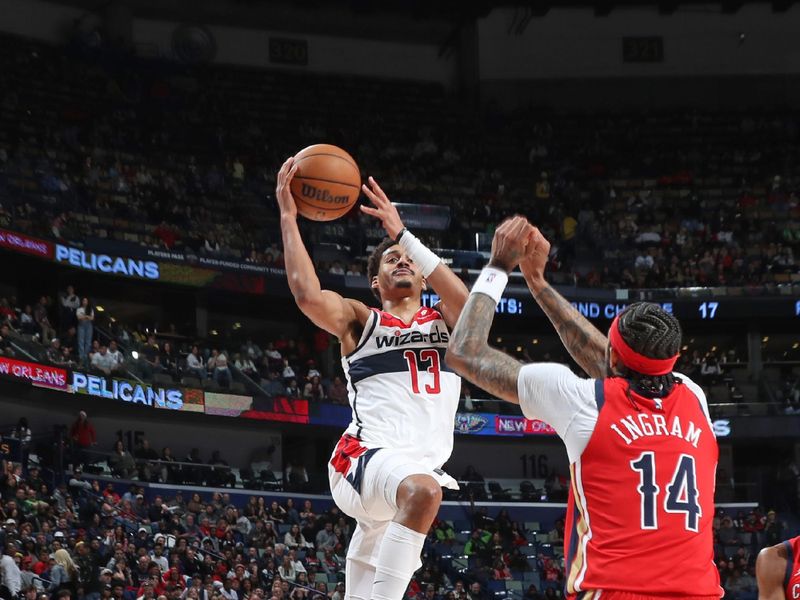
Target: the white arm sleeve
(552, 393)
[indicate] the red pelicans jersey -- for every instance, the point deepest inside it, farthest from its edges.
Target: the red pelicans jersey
(642, 491)
(402, 394)
(791, 582)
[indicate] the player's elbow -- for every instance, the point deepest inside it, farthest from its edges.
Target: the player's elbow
(307, 302)
(459, 357)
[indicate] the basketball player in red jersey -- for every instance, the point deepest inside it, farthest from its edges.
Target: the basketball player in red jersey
(386, 470)
(641, 447)
(778, 571)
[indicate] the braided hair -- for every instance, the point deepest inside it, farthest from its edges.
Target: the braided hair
(652, 332)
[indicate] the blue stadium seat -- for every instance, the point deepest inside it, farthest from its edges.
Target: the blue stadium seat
(462, 526)
(528, 550)
(496, 586)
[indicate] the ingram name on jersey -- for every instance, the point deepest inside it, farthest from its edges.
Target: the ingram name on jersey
(402, 394)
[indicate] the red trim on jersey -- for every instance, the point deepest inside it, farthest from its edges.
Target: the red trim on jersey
(423, 315)
(635, 361)
(791, 581)
(348, 447)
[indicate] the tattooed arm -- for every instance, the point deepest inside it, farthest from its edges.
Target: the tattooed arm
(585, 343)
(470, 355)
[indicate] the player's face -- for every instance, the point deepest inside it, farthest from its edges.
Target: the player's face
(398, 275)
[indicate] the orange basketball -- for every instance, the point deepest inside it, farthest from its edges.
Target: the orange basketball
(327, 182)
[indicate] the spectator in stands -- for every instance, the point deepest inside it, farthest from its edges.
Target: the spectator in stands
(69, 304)
(292, 390)
(145, 456)
(476, 592)
(287, 372)
(40, 315)
(64, 575)
(245, 365)
(272, 386)
(5, 341)
(313, 390)
(10, 575)
(27, 323)
(294, 539)
(218, 365)
(195, 365)
(326, 538)
(116, 358)
(83, 437)
(337, 391)
(501, 572)
(286, 570)
(85, 316)
(710, 369)
(221, 475)
(102, 361)
(55, 354)
(169, 359)
(121, 462)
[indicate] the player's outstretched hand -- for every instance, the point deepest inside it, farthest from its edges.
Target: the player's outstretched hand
(535, 259)
(510, 243)
(382, 209)
(283, 192)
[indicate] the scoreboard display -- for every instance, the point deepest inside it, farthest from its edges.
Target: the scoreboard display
(690, 309)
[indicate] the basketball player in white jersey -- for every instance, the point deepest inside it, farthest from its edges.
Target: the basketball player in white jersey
(386, 470)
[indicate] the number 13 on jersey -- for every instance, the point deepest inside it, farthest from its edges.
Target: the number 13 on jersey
(427, 361)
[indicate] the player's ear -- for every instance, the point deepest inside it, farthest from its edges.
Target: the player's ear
(614, 361)
(374, 283)
(424, 285)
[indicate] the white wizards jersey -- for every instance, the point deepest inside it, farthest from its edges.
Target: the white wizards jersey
(402, 394)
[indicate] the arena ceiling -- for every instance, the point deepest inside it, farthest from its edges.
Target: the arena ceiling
(408, 20)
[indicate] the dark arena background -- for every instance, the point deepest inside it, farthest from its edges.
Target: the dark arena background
(656, 145)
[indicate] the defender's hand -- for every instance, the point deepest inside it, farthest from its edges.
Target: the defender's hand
(535, 260)
(283, 192)
(510, 243)
(384, 209)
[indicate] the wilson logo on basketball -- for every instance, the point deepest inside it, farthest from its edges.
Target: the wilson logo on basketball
(314, 193)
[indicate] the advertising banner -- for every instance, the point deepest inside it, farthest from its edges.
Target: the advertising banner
(507, 425)
(39, 375)
(131, 391)
(20, 242)
(288, 410)
(227, 405)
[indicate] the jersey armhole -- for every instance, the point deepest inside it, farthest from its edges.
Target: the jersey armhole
(367, 332)
(789, 564)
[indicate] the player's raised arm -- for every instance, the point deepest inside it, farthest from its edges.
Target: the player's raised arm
(585, 343)
(448, 286)
(770, 573)
(469, 353)
(325, 308)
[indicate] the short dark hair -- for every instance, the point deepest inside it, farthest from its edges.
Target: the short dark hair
(652, 332)
(374, 263)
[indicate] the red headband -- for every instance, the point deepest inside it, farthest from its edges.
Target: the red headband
(635, 361)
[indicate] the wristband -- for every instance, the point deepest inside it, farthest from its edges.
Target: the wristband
(399, 236)
(492, 282)
(418, 252)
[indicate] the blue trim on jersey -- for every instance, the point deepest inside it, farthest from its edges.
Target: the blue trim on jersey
(599, 394)
(356, 477)
(789, 563)
(573, 542)
(375, 319)
(359, 424)
(389, 362)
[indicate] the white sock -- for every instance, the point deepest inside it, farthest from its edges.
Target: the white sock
(398, 559)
